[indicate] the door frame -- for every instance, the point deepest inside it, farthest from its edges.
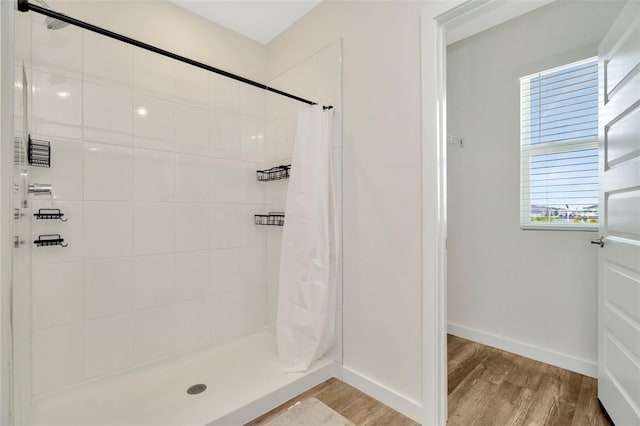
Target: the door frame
(7, 24)
(443, 23)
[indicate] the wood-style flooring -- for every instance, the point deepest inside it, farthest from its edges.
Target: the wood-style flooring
(488, 386)
(352, 404)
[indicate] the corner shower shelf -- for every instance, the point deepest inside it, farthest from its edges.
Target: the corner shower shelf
(50, 240)
(272, 219)
(50, 214)
(274, 173)
(39, 153)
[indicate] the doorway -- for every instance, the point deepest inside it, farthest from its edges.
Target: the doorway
(527, 292)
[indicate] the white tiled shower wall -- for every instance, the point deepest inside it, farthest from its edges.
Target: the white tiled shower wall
(153, 163)
(319, 78)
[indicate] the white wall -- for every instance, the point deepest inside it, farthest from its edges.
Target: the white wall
(537, 288)
(172, 28)
(382, 182)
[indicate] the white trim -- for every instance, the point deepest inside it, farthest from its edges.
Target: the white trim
(443, 22)
(395, 400)
(434, 361)
(266, 403)
(551, 227)
(273, 399)
(489, 14)
(7, 25)
(568, 362)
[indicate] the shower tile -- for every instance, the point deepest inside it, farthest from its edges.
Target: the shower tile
(108, 345)
(65, 174)
(154, 333)
(57, 51)
(108, 172)
(154, 228)
(225, 94)
(253, 141)
(272, 305)
(192, 178)
(226, 136)
(191, 85)
(274, 243)
(279, 144)
(154, 280)
(108, 229)
(254, 267)
(193, 227)
(56, 294)
(56, 105)
(301, 80)
(19, 90)
(108, 287)
(193, 275)
(154, 175)
(227, 183)
(193, 323)
(227, 315)
(107, 61)
(107, 114)
(152, 74)
(192, 130)
(252, 102)
(153, 123)
(254, 190)
(253, 235)
(276, 196)
(22, 38)
(227, 223)
(57, 357)
(71, 231)
(227, 270)
(255, 308)
(278, 107)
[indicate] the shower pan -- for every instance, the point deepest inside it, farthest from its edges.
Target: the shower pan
(151, 298)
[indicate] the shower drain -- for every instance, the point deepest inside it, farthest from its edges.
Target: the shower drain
(196, 389)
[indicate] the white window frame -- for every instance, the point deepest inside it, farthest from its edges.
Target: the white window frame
(528, 150)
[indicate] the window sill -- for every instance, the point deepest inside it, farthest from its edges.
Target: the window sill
(582, 228)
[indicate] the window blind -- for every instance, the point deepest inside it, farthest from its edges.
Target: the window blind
(559, 147)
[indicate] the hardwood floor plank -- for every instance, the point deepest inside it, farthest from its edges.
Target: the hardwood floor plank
(501, 388)
(487, 387)
(588, 406)
(463, 364)
(352, 404)
(527, 373)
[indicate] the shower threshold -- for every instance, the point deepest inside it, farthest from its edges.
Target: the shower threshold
(243, 379)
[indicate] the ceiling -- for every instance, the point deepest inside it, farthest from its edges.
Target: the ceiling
(260, 20)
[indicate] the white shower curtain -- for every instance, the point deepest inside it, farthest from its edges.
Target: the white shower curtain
(308, 262)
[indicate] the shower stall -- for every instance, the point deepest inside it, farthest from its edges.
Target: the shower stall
(138, 267)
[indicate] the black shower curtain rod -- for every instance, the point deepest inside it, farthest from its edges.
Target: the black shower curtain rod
(25, 6)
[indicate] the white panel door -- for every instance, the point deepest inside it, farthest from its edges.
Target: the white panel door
(619, 259)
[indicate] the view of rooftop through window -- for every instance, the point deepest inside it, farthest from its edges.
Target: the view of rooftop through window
(559, 145)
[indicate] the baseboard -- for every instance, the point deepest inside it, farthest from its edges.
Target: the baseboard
(398, 402)
(558, 359)
(270, 401)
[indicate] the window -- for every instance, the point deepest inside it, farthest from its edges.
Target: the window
(559, 147)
